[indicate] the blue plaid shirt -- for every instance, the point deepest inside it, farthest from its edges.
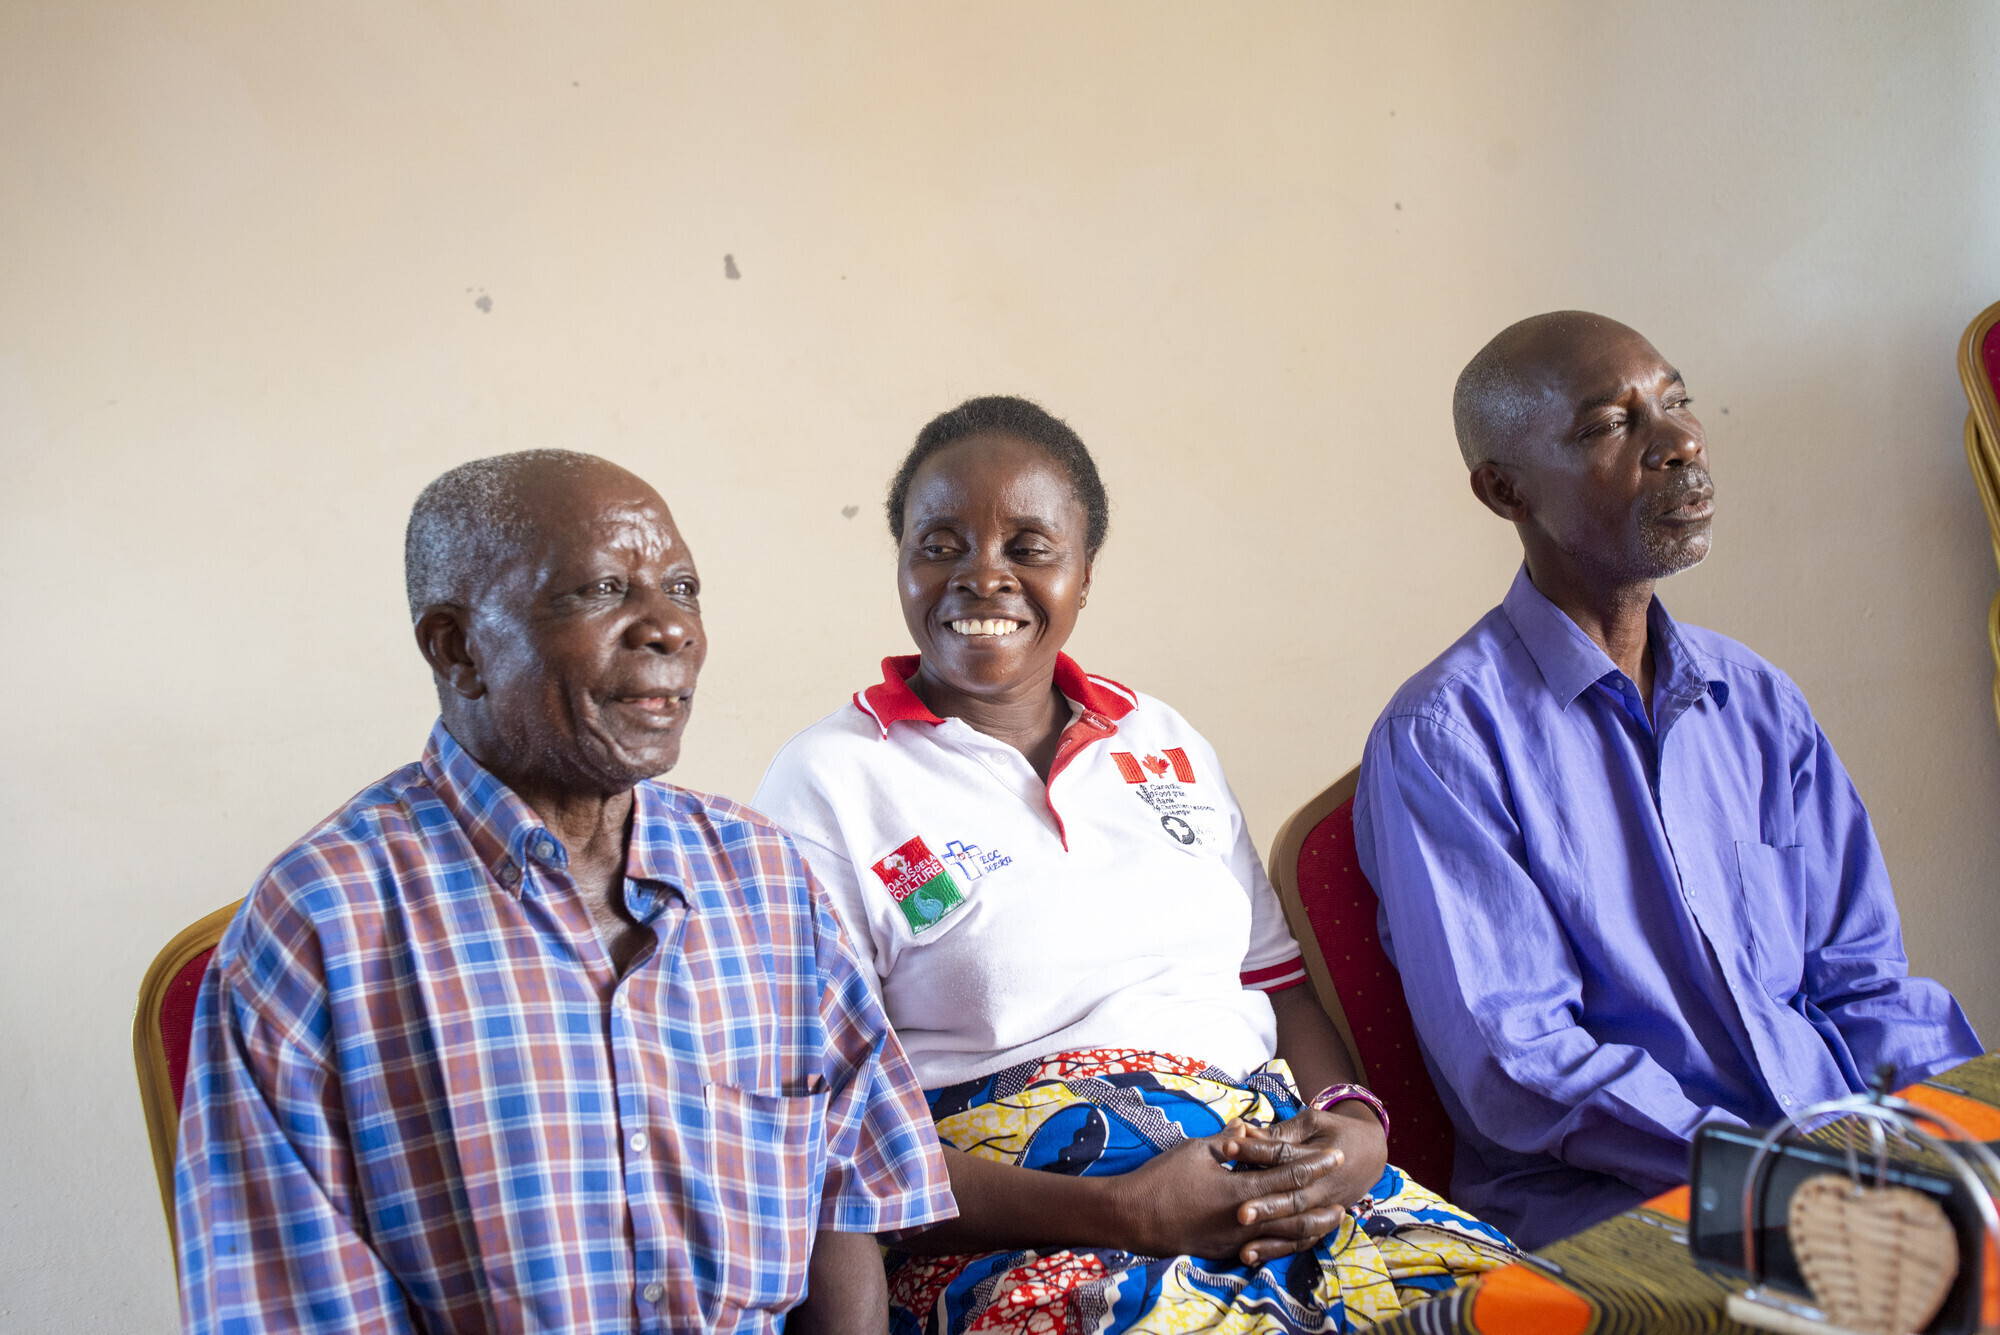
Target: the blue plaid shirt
(419, 1098)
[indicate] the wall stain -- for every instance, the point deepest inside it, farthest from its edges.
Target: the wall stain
(729, 267)
(849, 511)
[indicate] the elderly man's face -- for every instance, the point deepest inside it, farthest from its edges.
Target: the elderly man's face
(588, 644)
(1614, 465)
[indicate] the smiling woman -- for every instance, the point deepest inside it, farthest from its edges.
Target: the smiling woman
(993, 576)
(1076, 944)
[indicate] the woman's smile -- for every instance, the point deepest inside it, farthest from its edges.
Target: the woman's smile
(987, 628)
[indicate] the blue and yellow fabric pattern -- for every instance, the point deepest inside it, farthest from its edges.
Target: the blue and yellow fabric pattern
(1107, 1111)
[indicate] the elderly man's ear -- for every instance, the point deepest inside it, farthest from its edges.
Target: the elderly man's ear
(1499, 491)
(444, 641)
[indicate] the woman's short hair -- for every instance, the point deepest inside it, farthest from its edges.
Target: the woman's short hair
(1007, 415)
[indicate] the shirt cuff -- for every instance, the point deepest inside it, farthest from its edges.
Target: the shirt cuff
(896, 1217)
(1278, 977)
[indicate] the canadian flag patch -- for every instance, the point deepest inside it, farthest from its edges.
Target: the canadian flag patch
(917, 880)
(1144, 769)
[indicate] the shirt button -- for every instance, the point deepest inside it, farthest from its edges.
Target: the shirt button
(653, 1292)
(509, 873)
(638, 1142)
(545, 850)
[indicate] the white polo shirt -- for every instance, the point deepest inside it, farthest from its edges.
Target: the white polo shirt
(1119, 906)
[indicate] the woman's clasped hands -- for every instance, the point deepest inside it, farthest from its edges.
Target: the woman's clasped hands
(1257, 1193)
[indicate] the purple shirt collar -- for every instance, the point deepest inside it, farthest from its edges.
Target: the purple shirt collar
(1571, 662)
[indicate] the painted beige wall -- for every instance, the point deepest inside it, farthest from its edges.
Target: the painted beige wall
(1244, 249)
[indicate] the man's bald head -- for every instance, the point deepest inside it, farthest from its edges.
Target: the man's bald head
(1581, 435)
(476, 518)
(1504, 384)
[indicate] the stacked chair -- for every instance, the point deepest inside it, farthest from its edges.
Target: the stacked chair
(1979, 368)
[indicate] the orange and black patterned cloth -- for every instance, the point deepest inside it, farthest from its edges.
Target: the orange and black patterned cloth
(1633, 1273)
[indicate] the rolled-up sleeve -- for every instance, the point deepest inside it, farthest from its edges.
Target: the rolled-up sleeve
(1493, 983)
(885, 1172)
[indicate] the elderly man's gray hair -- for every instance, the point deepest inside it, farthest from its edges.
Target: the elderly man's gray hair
(463, 521)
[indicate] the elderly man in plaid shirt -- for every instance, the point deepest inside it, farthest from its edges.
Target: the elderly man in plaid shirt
(519, 1039)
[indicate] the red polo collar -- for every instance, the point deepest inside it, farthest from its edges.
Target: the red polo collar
(892, 701)
(1104, 702)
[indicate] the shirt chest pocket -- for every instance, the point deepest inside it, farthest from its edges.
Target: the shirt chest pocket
(1771, 880)
(766, 1159)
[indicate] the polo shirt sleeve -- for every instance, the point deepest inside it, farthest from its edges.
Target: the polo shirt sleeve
(791, 795)
(261, 1183)
(1273, 962)
(885, 1172)
(862, 923)
(1492, 982)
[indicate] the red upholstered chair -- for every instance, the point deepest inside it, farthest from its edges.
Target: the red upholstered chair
(1979, 370)
(160, 1034)
(1331, 909)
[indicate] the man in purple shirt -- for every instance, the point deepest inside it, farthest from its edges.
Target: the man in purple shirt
(1628, 884)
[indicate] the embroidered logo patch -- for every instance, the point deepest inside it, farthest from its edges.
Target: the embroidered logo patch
(919, 884)
(972, 862)
(1146, 768)
(1165, 783)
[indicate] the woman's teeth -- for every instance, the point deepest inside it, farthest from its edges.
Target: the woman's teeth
(990, 626)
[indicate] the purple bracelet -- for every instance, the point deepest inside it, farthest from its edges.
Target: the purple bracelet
(1332, 1094)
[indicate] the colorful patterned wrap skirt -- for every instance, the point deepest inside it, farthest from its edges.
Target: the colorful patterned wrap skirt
(1106, 1111)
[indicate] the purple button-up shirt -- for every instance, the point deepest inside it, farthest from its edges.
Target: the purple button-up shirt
(1613, 930)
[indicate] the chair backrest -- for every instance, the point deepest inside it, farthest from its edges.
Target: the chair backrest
(1979, 371)
(160, 1034)
(1331, 909)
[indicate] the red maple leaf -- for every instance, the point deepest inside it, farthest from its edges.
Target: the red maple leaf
(1157, 765)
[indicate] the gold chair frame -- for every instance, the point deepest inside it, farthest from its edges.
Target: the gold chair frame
(149, 1052)
(1982, 453)
(1283, 866)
